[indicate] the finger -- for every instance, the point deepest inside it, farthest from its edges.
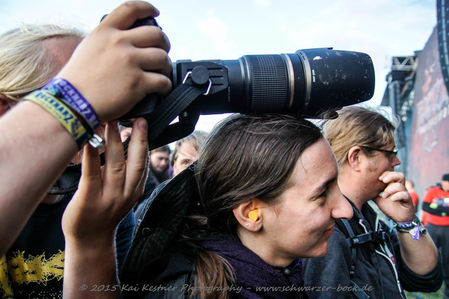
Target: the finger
(155, 83)
(115, 165)
(148, 36)
(402, 196)
(124, 16)
(392, 188)
(137, 156)
(392, 176)
(141, 187)
(154, 60)
(90, 171)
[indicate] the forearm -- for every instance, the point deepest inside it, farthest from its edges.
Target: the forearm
(35, 149)
(421, 255)
(439, 210)
(90, 271)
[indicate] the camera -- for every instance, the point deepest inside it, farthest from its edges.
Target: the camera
(310, 83)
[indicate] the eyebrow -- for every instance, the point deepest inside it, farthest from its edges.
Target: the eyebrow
(318, 190)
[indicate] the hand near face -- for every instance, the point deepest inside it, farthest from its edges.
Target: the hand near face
(114, 67)
(395, 201)
(106, 194)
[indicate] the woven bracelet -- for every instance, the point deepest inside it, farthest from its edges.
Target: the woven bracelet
(62, 113)
(415, 228)
(67, 93)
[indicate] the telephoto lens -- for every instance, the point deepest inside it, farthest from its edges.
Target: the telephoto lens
(306, 83)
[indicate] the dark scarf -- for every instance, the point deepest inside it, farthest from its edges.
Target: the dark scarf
(252, 272)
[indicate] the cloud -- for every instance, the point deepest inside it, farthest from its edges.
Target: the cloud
(217, 31)
(262, 3)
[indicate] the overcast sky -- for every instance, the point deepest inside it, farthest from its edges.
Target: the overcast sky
(212, 29)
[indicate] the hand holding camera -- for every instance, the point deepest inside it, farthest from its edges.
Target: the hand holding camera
(137, 58)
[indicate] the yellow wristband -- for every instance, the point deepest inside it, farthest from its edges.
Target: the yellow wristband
(62, 113)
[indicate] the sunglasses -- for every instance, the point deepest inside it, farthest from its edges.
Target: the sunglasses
(391, 153)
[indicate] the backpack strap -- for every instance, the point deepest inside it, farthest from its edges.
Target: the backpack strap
(353, 240)
(349, 233)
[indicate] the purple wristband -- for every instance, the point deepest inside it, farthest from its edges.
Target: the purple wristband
(414, 228)
(75, 99)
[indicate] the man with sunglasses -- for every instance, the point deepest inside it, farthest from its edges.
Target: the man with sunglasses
(365, 256)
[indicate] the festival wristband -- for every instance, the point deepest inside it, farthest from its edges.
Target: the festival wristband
(415, 228)
(62, 113)
(70, 96)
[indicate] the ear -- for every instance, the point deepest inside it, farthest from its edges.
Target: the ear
(249, 215)
(5, 104)
(355, 154)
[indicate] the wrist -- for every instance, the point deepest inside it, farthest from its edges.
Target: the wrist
(90, 252)
(62, 113)
(414, 228)
(92, 243)
(65, 92)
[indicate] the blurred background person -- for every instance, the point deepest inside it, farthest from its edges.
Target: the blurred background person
(160, 164)
(410, 186)
(435, 208)
(186, 151)
(158, 172)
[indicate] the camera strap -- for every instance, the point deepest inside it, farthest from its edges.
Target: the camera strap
(175, 104)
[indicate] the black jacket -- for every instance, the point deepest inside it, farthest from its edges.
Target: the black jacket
(153, 263)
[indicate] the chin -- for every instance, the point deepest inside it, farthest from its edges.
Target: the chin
(318, 251)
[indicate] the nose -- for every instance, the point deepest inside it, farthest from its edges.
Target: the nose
(165, 162)
(342, 208)
(396, 161)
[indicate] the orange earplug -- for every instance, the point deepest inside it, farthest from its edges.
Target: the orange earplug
(254, 215)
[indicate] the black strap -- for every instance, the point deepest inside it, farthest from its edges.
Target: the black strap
(175, 103)
(376, 237)
(358, 292)
(356, 240)
(349, 240)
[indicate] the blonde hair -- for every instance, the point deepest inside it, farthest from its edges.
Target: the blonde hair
(360, 126)
(25, 64)
(196, 139)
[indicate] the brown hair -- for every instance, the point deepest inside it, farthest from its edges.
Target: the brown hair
(164, 149)
(246, 156)
(357, 126)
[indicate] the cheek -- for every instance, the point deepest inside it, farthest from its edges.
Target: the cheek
(373, 166)
(178, 167)
(304, 222)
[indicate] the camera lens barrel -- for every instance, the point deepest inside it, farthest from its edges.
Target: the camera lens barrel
(338, 78)
(267, 83)
(308, 82)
